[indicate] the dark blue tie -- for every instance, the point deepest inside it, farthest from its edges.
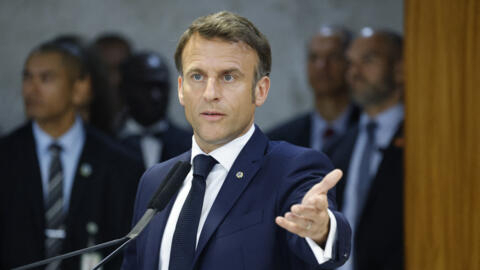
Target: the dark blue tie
(365, 176)
(185, 236)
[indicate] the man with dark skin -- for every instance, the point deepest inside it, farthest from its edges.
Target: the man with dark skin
(147, 131)
(333, 112)
(113, 49)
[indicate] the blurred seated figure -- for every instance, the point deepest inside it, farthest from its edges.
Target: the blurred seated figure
(333, 111)
(147, 131)
(113, 49)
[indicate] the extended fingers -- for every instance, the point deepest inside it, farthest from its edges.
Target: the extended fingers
(320, 201)
(327, 183)
(294, 224)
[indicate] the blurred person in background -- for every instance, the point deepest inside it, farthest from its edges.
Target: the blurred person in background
(65, 185)
(96, 107)
(371, 153)
(147, 131)
(113, 49)
(333, 110)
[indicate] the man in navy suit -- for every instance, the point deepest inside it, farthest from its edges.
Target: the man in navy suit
(333, 112)
(264, 204)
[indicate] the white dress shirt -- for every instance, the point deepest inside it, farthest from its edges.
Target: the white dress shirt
(72, 144)
(150, 146)
(226, 156)
(387, 124)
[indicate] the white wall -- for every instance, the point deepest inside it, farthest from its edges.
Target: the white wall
(157, 25)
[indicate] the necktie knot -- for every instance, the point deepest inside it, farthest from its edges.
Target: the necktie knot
(328, 132)
(202, 164)
(55, 148)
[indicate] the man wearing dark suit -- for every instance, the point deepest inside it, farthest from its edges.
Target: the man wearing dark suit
(263, 205)
(334, 113)
(371, 153)
(147, 132)
(64, 185)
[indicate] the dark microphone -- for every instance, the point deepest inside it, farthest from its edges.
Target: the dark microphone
(160, 199)
(169, 186)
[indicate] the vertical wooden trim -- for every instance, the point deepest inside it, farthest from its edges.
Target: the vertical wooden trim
(442, 159)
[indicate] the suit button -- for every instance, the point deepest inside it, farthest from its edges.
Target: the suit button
(345, 255)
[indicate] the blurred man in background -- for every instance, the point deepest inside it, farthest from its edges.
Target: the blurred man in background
(64, 184)
(371, 153)
(333, 113)
(147, 130)
(113, 49)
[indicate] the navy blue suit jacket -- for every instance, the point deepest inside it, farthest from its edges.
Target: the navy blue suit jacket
(240, 230)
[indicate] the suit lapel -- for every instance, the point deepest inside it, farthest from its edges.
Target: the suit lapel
(341, 154)
(157, 228)
(86, 174)
(33, 180)
(392, 161)
(240, 175)
(155, 235)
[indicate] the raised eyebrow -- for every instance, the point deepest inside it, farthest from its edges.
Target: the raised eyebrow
(194, 70)
(232, 71)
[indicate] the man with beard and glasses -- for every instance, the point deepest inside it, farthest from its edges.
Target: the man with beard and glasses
(371, 153)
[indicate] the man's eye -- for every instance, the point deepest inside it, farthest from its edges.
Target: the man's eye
(47, 78)
(228, 77)
(197, 77)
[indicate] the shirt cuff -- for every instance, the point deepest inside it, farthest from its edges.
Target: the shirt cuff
(322, 255)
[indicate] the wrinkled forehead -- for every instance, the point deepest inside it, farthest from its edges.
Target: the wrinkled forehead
(216, 50)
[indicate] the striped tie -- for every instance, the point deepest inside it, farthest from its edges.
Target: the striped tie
(54, 215)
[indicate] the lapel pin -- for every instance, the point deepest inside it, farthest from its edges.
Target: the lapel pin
(92, 228)
(85, 170)
(399, 142)
(239, 175)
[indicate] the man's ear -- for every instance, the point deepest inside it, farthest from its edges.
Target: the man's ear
(261, 91)
(180, 89)
(82, 92)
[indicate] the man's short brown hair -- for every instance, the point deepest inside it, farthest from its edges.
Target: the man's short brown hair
(229, 27)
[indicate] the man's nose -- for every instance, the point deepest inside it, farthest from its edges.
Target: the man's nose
(212, 90)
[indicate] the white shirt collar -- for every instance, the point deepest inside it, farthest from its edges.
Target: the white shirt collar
(387, 123)
(132, 127)
(74, 135)
(339, 124)
(226, 154)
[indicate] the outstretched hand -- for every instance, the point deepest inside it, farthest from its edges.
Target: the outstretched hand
(310, 218)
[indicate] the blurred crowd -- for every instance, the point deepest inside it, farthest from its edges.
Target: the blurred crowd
(97, 119)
